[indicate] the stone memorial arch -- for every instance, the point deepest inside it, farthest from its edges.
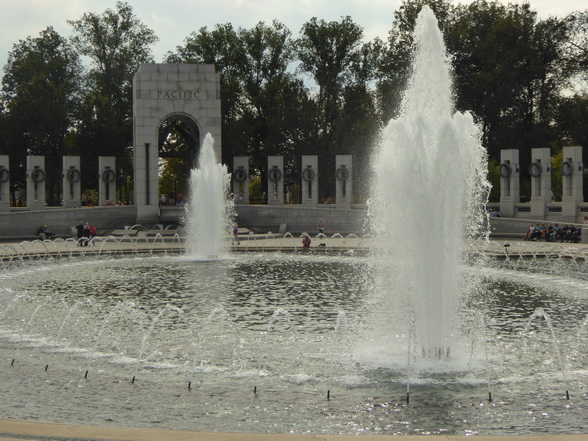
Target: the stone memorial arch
(189, 93)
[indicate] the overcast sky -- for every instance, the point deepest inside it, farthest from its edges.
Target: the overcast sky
(174, 20)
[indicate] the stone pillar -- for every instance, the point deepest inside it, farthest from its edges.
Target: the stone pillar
(510, 184)
(146, 184)
(309, 176)
(72, 182)
(107, 180)
(572, 173)
(36, 182)
(275, 180)
(344, 181)
(540, 171)
(4, 183)
(241, 179)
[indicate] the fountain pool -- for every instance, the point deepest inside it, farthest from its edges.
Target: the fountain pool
(261, 339)
(413, 339)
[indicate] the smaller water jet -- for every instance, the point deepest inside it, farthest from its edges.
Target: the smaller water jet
(210, 208)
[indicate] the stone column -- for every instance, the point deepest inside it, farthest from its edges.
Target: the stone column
(510, 184)
(4, 183)
(107, 181)
(241, 179)
(572, 173)
(275, 180)
(146, 184)
(309, 176)
(36, 182)
(72, 182)
(540, 171)
(344, 181)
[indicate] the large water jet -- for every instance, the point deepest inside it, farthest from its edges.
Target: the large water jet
(428, 194)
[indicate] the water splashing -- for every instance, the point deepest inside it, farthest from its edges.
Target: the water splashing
(210, 209)
(428, 194)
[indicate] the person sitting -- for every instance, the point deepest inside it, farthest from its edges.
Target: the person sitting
(550, 233)
(306, 240)
(44, 232)
(556, 233)
(530, 232)
(564, 233)
(573, 234)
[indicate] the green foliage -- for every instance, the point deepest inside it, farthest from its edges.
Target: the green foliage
(40, 96)
(556, 176)
(511, 70)
(494, 179)
(255, 189)
(116, 43)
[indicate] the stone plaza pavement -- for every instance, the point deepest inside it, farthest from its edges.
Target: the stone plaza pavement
(13, 430)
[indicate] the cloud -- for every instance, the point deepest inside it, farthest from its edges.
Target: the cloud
(174, 20)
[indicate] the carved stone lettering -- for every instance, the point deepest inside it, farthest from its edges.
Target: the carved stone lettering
(179, 94)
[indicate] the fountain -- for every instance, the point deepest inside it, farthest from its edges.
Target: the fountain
(209, 210)
(427, 196)
(313, 342)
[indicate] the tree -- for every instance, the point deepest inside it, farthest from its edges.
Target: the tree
(342, 66)
(40, 96)
(576, 48)
(327, 51)
(572, 120)
(220, 47)
(116, 43)
(509, 73)
(264, 107)
(393, 68)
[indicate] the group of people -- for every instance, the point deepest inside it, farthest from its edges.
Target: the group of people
(86, 234)
(553, 233)
(168, 200)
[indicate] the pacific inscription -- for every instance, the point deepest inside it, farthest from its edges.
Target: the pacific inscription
(179, 94)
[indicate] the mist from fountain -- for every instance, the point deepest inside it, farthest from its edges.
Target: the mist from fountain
(428, 195)
(210, 210)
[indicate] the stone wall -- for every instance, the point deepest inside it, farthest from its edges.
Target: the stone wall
(22, 222)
